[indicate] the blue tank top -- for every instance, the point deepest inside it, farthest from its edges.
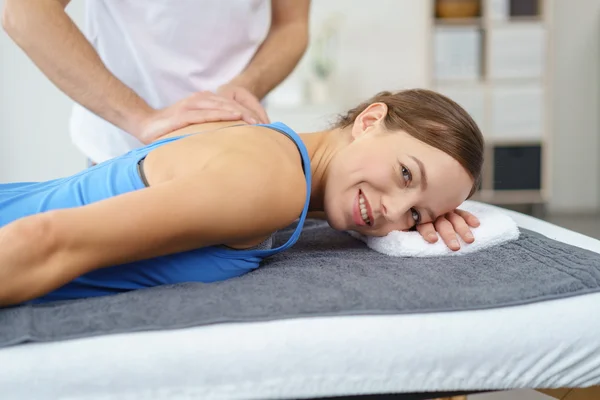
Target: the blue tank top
(121, 175)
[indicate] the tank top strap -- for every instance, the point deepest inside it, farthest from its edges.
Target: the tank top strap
(143, 151)
(287, 131)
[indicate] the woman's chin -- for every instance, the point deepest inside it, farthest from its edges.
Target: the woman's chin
(337, 222)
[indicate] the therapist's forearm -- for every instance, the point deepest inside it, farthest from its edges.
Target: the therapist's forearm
(54, 43)
(275, 59)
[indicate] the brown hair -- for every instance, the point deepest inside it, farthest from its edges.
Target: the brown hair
(433, 119)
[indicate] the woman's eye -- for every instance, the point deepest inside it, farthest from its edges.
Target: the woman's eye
(406, 174)
(415, 215)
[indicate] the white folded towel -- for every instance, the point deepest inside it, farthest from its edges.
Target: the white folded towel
(495, 228)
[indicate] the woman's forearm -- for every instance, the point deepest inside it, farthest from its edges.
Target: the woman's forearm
(28, 262)
(53, 42)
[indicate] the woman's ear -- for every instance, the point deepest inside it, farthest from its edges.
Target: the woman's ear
(370, 120)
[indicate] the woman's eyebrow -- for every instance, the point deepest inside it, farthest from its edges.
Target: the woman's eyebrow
(423, 181)
(423, 172)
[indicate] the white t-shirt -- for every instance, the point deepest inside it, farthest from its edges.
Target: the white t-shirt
(165, 51)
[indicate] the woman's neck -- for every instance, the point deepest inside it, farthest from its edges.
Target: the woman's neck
(322, 147)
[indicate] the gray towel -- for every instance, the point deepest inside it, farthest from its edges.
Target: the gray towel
(325, 273)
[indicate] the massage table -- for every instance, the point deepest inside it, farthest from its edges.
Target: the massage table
(548, 344)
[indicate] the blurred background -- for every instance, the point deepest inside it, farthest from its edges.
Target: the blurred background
(527, 70)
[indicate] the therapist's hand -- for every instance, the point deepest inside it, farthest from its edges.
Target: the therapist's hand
(457, 222)
(198, 108)
(245, 98)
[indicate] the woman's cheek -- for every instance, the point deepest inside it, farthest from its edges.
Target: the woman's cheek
(383, 178)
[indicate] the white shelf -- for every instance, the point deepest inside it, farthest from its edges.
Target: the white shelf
(516, 51)
(515, 141)
(509, 98)
(501, 197)
(511, 21)
(475, 22)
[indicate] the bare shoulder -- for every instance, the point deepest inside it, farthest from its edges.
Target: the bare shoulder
(273, 163)
(251, 171)
(265, 171)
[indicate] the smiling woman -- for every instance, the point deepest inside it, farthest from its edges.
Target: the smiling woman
(433, 119)
(203, 207)
(434, 149)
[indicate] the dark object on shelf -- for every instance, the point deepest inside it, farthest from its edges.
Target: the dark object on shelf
(457, 8)
(524, 8)
(517, 168)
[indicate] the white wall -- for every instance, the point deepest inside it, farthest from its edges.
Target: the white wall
(382, 45)
(34, 138)
(576, 106)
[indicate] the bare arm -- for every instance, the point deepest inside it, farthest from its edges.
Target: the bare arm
(43, 252)
(55, 44)
(282, 49)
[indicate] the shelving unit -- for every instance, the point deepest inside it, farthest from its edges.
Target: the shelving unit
(496, 65)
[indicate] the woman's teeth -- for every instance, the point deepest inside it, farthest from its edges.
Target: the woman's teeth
(363, 209)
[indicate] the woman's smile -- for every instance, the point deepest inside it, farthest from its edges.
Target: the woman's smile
(362, 214)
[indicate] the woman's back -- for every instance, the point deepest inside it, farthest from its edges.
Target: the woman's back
(182, 153)
(109, 179)
(180, 156)
(204, 144)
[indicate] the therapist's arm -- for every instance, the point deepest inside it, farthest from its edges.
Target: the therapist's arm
(46, 33)
(277, 56)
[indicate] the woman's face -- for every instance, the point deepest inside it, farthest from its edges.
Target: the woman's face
(384, 181)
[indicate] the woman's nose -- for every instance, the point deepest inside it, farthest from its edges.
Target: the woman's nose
(397, 206)
(393, 210)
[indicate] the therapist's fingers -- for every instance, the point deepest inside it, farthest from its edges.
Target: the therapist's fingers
(460, 226)
(166, 123)
(245, 98)
(202, 116)
(446, 230)
(201, 101)
(428, 232)
(212, 101)
(249, 101)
